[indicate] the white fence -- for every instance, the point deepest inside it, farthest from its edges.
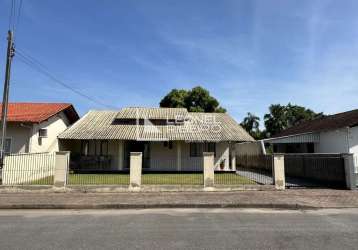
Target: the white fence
(35, 168)
(355, 159)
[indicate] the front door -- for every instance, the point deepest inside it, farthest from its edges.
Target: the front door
(138, 146)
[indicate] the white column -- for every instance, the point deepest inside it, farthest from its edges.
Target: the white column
(349, 170)
(278, 171)
(233, 161)
(179, 155)
(135, 174)
(61, 168)
(208, 158)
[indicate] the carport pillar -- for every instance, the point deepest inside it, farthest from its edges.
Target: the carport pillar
(208, 170)
(349, 171)
(278, 171)
(178, 155)
(62, 160)
(233, 157)
(120, 155)
(135, 174)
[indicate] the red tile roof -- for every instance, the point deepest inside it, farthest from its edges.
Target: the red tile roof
(38, 112)
(330, 122)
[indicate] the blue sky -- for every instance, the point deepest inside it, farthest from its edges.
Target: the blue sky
(248, 54)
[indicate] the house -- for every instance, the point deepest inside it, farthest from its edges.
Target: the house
(330, 134)
(170, 139)
(34, 127)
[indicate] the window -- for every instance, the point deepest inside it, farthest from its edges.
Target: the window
(104, 148)
(84, 147)
(42, 132)
(168, 144)
(7, 147)
(197, 149)
(210, 147)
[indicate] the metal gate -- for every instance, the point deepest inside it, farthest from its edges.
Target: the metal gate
(314, 170)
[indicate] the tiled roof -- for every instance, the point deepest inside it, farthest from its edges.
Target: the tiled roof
(330, 122)
(199, 127)
(151, 113)
(38, 112)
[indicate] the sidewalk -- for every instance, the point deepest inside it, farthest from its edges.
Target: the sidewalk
(288, 199)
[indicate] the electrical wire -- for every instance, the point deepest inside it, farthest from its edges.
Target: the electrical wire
(11, 15)
(41, 68)
(18, 16)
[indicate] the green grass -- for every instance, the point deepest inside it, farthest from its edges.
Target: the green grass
(172, 179)
(43, 181)
(157, 179)
(98, 179)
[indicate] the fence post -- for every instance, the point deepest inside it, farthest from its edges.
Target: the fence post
(208, 158)
(135, 172)
(349, 171)
(278, 171)
(61, 168)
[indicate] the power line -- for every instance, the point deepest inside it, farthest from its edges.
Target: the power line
(42, 69)
(11, 14)
(18, 16)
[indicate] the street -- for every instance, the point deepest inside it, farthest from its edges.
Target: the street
(179, 229)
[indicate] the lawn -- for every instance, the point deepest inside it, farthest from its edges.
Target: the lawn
(98, 179)
(43, 181)
(157, 179)
(148, 179)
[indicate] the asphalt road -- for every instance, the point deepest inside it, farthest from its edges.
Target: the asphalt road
(178, 229)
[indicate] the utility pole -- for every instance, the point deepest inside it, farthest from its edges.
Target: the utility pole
(9, 55)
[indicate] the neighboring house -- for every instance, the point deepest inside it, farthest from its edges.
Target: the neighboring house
(330, 134)
(170, 139)
(34, 127)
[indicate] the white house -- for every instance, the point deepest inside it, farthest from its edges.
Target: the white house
(170, 139)
(34, 127)
(330, 134)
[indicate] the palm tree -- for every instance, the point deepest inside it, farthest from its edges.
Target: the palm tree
(251, 124)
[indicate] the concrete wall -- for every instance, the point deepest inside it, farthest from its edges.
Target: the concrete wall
(55, 125)
(19, 135)
(353, 140)
(163, 158)
(353, 144)
(334, 141)
(249, 148)
(222, 156)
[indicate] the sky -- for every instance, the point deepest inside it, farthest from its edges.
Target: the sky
(248, 54)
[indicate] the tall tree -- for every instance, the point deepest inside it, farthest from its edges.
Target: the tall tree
(197, 99)
(174, 99)
(251, 124)
(282, 117)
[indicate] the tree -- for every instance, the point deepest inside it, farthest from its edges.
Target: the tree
(282, 117)
(251, 124)
(197, 99)
(174, 99)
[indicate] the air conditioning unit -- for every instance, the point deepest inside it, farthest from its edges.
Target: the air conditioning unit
(42, 133)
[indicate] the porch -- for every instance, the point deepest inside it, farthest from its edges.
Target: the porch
(108, 156)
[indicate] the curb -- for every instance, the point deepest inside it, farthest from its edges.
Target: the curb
(152, 206)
